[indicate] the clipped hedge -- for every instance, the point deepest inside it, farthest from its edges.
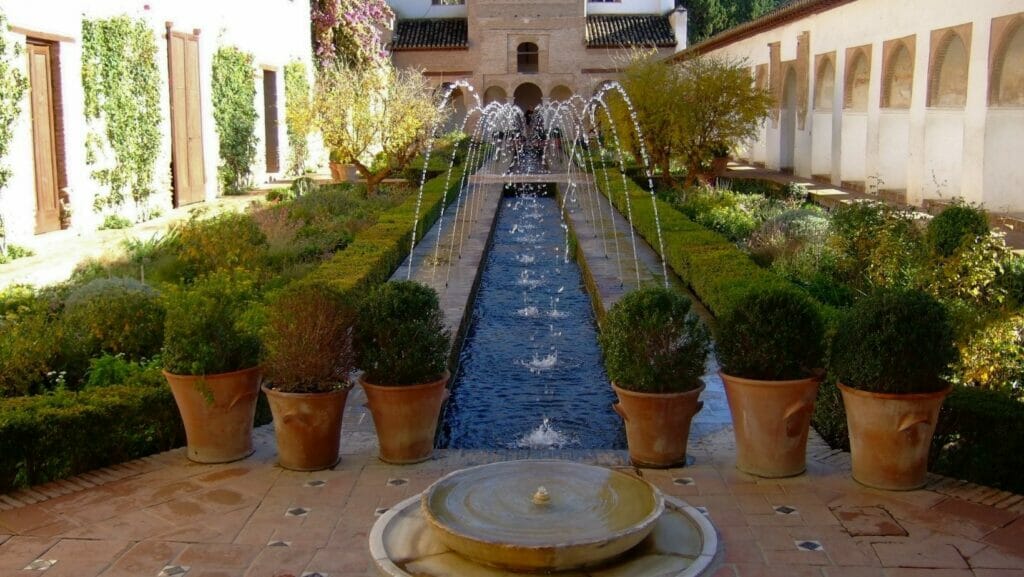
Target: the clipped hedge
(717, 271)
(377, 251)
(978, 438)
(58, 435)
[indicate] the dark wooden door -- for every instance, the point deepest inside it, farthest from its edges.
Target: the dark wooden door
(44, 138)
(186, 121)
(270, 120)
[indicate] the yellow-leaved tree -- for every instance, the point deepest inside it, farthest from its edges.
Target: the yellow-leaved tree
(375, 118)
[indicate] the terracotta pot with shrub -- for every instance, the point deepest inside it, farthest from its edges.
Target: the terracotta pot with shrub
(654, 350)
(211, 361)
(309, 357)
(889, 356)
(402, 348)
(771, 347)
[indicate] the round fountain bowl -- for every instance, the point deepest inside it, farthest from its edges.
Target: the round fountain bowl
(493, 514)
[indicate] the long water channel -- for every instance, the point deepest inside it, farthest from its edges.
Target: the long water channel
(530, 372)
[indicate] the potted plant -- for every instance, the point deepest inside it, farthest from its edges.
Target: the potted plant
(889, 356)
(654, 350)
(211, 361)
(308, 360)
(771, 348)
(402, 347)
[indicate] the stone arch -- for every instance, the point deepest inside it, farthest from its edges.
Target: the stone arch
(527, 96)
(495, 94)
(947, 79)
(527, 58)
(1007, 81)
(898, 77)
(858, 78)
(824, 84)
(560, 93)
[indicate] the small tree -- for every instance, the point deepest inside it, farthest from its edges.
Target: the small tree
(717, 106)
(12, 89)
(375, 118)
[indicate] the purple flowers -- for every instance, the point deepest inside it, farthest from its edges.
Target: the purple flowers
(350, 31)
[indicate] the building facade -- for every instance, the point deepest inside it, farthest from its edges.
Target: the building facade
(530, 50)
(918, 99)
(52, 186)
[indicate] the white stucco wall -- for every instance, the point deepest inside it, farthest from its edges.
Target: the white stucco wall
(970, 151)
(275, 33)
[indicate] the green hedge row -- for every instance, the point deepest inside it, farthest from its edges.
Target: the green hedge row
(979, 437)
(717, 271)
(54, 436)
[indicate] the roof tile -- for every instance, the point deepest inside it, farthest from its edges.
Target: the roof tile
(430, 33)
(629, 30)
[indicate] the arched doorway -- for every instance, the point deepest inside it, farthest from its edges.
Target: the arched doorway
(495, 94)
(561, 93)
(787, 122)
(527, 96)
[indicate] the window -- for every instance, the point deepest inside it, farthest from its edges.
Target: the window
(527, 58)
(447, 2)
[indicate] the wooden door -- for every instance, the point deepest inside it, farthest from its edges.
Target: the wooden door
(44, 137)
(187, 171)
(270, 120)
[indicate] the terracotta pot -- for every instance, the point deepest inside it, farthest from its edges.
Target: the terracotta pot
(308, 427)
(218, 411)
(771, 420)
(890, 436)
(337, 171)
(657, 425)
(405, 418)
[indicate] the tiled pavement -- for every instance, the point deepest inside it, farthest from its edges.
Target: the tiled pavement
(252, 518)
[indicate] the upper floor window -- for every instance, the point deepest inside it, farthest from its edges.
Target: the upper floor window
(527, 58)
(596, 1)
(447, 2)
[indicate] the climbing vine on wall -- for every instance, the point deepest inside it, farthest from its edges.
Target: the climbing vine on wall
(12, 89)
(234, 112)
(298, 115)
(121, 82)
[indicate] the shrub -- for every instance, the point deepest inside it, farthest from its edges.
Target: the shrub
(878, 246)
(29, 345)
(894, 342)
(116, 316)
(993, 356)
(979, 438)
(400, 335)
(108, 370)
(653, 342)
(1011, 281)
(775, 334)
(15, 251)
(115, 222)
(957, 224)
(207, 331)
(224, 242)
(786, 233)
(308, 340)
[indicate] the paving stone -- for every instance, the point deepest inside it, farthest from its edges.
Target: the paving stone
(915, 555)
(868, 521)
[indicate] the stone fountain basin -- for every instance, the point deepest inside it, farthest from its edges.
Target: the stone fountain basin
(488, 514)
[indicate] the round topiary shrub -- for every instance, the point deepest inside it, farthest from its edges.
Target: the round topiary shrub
(400, 335)
(654, 343)
(894, 342)
(772, 334)
(116, 316)
(959, 222)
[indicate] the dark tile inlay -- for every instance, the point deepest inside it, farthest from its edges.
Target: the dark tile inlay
(173, 571)
(683, 481)
(297, 512)
(809, 545)
(40, 565)
(279, 544)
(784, 510)
(316, 483)
(397, 482)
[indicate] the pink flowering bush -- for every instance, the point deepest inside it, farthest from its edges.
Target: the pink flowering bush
(349, 32)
